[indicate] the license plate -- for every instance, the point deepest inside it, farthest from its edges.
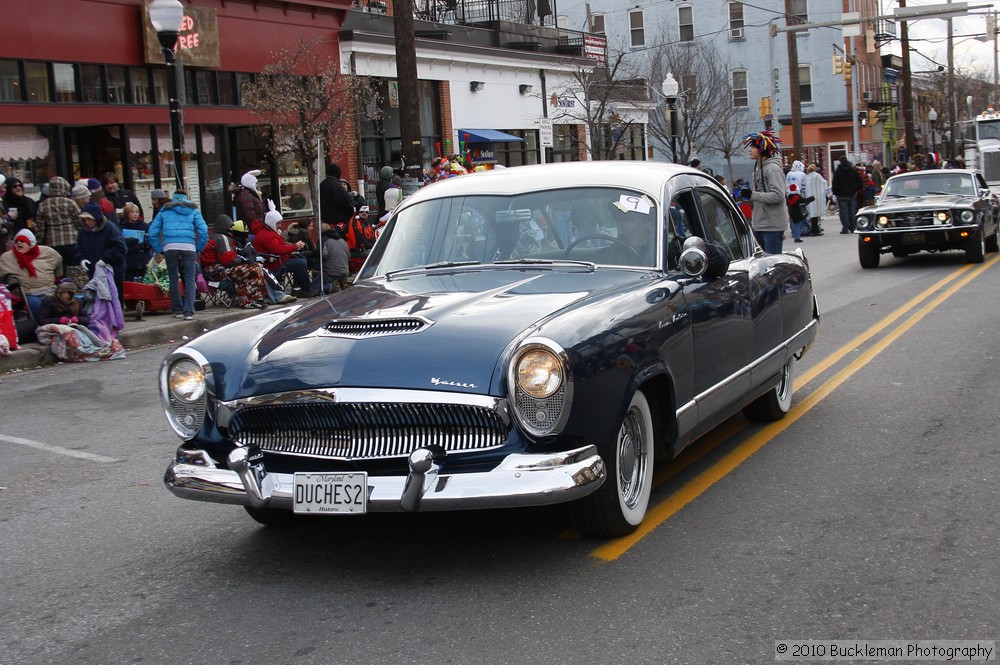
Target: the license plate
(913, 238)
(331, 493)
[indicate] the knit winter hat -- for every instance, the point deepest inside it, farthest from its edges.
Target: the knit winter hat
(239, 226)
(158, 195)
(223, 223)
(249, 179)
(66, 284)
(93, 184)
(80, 192)
(27, 235)
(272, 218)
(385, 173)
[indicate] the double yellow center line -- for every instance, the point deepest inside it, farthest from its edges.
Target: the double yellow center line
(660, 512)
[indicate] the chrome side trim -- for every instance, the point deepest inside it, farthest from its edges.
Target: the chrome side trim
(520, 480)
(782, 349)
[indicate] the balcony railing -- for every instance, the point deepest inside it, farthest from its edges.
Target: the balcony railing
(527, 12)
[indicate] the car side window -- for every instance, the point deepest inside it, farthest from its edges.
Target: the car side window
(981, 182)
(719, 223)
(682, 223)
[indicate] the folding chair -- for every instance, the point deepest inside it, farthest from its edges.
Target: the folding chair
(220, 294)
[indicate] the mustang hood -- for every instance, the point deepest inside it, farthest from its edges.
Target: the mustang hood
(432, 331)
(918, 203)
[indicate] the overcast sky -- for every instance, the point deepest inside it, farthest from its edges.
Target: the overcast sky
(929, 37)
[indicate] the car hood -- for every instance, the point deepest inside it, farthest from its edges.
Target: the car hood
(916, 203)
(461, 324)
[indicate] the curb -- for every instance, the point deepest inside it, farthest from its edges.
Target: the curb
(134, 336)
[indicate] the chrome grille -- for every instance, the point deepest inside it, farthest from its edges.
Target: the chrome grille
(368, 430)
(359, 328)
(912, 219)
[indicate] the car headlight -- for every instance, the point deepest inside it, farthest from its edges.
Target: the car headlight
(185, 384)
(540, 386)
(863, 222)
(882, 221)
(941, 216)
(967, 216)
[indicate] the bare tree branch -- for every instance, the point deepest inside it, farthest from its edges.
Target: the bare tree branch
(301, 100)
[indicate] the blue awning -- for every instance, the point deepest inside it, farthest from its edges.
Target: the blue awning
(487, 136)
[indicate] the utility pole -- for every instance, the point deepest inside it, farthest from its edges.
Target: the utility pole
(793, 83)
(906, 103)
(406, 80)
(952, 104)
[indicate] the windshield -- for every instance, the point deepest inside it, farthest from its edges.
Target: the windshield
(600, 225)
(988, 129)
(937, 183)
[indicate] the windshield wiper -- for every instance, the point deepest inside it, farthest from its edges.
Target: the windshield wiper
(528, 262)
(431, 266)
(938, 194)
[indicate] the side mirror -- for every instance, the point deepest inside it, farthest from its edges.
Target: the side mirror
(701, 258)
(694, 257)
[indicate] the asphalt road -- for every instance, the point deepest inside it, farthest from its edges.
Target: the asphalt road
(868, 513)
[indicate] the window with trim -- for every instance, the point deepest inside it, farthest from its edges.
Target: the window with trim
(685, 23)
(805, 84)
(597, 24)
(736, 20)
(36, 77)
(636, 28)
(719, 223)
(740, 95)
(10, 81)
(799, 13)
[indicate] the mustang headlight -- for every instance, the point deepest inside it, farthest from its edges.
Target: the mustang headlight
(540, 386)
(882, 221)
(941, 216)
(967, 216)
(863, 222)
(185, 384)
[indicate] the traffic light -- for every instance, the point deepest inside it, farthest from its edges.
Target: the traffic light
(847, 71)
(863, 118)
(764, 107)
(838, 64)
(872, 117)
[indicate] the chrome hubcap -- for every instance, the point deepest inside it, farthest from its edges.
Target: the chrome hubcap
(631, 458)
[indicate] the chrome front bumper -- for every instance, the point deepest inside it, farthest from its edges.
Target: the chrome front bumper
(519, 480)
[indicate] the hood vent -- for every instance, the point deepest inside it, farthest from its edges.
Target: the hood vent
(361, 328)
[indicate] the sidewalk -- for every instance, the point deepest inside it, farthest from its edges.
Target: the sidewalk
(155, 328)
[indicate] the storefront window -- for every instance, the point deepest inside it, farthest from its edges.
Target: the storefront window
(117, 87)
(93, 83)
(140, 86)
(227, 88)
(242, 80)
(65, 77)
(160, 86)
(36, 75)
(10, 81)
(28, 153)
(213, 178)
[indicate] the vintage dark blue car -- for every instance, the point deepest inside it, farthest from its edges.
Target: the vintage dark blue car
(525, 336)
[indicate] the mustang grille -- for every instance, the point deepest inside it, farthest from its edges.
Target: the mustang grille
(374, 327)
(355, 431)
(920, 218)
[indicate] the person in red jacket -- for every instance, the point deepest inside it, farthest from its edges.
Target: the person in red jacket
(277, 253)
(220, 260)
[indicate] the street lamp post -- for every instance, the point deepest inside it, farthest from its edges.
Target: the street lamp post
(166, 17)
(932, 117)
(670, 89)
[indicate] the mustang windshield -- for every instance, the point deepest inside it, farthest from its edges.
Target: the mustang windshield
(600, 225)
(931, 184)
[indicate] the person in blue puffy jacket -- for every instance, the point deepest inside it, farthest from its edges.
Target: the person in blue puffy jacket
(179, 233)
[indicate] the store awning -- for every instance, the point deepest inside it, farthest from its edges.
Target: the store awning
(17, 143)
(486, 136)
